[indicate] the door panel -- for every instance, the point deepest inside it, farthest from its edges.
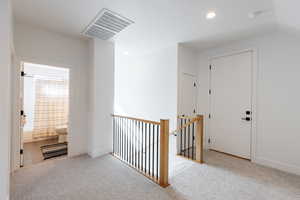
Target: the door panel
(188, 95)
(231, 86)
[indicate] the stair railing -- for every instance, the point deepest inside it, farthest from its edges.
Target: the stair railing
(143, 145)
(190, 133)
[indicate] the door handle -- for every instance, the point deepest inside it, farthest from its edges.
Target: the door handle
(246, 119)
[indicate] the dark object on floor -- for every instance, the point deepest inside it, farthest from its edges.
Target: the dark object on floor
(54, 150)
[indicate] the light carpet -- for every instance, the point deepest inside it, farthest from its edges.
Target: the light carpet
(220, 178)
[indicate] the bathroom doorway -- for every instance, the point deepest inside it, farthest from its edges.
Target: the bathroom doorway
(44, 113)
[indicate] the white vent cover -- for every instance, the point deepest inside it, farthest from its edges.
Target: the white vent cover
(106, 25)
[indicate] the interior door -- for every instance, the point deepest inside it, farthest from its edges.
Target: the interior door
(231, 86)
(188, 102)
(188, 95)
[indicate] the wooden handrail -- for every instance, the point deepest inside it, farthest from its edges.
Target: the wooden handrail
(185, 117)
(136, 119)
(193, 119)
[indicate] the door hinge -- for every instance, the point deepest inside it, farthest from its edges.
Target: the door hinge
(21, 151)
(209, 67)
(209, 92)
(209, 140)
(195, 85)
(23, 73)
(209, 116)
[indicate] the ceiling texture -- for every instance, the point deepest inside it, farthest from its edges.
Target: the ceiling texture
(160, 23)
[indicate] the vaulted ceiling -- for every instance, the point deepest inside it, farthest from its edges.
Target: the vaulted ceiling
(161, 23)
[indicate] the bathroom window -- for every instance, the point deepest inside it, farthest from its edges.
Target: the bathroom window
(51, 107)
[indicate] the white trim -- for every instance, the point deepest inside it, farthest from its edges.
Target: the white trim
(254, 103)
(254, 96)
(232, 53)
(99, 152)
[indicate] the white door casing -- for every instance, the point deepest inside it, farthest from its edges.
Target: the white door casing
(231, 96)
(23, 116)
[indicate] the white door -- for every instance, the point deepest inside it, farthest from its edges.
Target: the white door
(231, 86)
(187, 103)
(188, 95)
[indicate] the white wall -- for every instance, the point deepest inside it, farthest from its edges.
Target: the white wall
(5, 121)
(102, 97)
(146, 85)
(39, 46)
(278, 122)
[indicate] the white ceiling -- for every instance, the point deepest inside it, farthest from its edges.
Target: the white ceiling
(287, 12)
(159, 23)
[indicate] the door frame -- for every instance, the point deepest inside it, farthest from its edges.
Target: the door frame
(16, 135)
(179, 97)
(254, 96)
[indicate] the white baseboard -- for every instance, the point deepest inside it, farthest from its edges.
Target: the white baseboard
(278, 165)
(99, 152)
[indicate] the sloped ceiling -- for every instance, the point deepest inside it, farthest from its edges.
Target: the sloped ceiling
(160, 23)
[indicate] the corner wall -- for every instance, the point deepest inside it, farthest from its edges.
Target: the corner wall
(278, 122)
(146, 85)
(101, 82)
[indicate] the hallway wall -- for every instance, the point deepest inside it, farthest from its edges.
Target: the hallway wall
(6, 55)
(40, 46)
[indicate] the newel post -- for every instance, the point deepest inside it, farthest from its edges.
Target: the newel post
(199, 139)
(164, 153)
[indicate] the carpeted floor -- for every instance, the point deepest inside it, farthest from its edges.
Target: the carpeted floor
(221, 178)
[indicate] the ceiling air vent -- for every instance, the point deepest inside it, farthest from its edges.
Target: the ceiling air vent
(106, 25)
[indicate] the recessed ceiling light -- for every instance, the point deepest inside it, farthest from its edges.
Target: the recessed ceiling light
(126, 53)
(211, 15)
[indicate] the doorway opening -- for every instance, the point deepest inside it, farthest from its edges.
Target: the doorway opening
(44, 113)
(182, 143)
